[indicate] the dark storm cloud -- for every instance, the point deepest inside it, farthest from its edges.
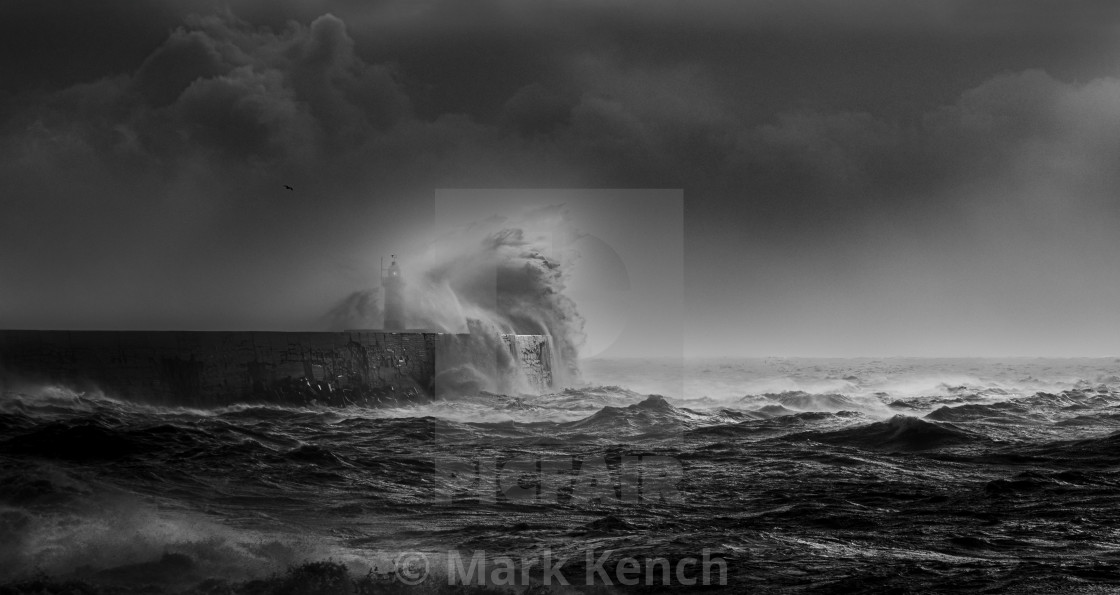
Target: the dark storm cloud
(851, 157)
(185, 157)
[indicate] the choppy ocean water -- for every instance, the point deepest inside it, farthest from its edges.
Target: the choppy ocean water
(800, 475)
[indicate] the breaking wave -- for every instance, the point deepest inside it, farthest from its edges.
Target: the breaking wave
(900, 433)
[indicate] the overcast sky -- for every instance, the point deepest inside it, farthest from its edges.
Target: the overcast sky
(867, 177)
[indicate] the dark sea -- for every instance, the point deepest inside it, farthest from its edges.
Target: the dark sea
(770, 475)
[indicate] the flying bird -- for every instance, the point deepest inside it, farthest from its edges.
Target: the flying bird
(288, 187)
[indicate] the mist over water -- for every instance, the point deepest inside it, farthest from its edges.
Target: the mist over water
(727, 379)
(361, 309)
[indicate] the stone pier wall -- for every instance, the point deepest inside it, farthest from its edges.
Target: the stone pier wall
(201, 368)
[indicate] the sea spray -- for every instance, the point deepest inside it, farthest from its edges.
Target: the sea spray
(476, 361)
(509, 273)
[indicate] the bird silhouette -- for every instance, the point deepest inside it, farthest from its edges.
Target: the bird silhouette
(288, 187)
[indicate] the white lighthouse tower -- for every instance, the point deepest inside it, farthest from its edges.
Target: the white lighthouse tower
(393, 286)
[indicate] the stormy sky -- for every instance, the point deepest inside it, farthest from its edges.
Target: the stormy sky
(867, 177)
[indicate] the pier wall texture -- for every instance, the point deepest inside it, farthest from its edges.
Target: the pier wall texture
(533, 354)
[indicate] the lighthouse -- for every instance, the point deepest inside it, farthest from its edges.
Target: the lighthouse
(393, 286)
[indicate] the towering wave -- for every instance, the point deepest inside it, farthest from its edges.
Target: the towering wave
(501, 276)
